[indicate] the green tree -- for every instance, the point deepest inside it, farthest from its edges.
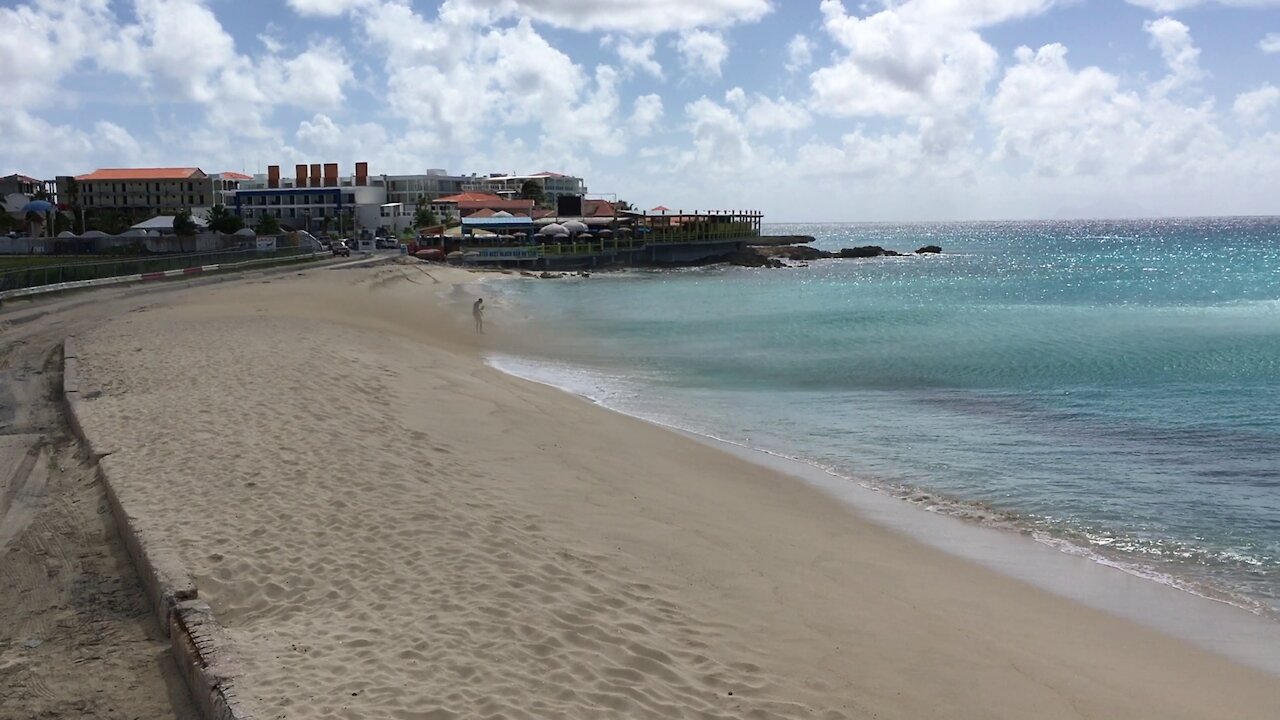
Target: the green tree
(267, 225)
(424, 217)
(223, 220)
(531, 190)
(111, 222)
(184, 225)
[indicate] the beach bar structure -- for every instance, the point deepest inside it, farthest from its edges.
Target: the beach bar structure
(628, 238)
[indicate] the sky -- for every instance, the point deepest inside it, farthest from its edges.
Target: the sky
(807, 110)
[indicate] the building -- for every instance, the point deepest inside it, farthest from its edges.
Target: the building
(21, 185)
(467, 204)
(140, 192)
(17, 190)
(224, 187)
(552, 185)
(317, 199)
(435, 183)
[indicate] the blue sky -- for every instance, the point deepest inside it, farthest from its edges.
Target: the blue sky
(806, 109)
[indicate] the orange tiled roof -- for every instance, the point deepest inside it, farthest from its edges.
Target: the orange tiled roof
(236, 176)
(468, 197)
(171, 173)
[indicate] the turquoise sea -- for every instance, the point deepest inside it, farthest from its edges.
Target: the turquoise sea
(1110, 387)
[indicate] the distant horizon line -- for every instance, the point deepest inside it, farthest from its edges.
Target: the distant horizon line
(1129, 218)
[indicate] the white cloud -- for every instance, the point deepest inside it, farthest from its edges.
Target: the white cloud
(1254, 107)
(1063, 122)
(799, 53)
(703, 52)
(315, 78)
(42, 43)
(1174, 5)
(720, 143)
(454, 83)
(35, 146)
(327, 8)
(920, 57)
(1270, 43)
(737, 97)
(638, 54)
(766, 114)
(1180, 54)
(646, 114)
(630, 16)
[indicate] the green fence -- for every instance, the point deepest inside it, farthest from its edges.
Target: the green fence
(25, 271)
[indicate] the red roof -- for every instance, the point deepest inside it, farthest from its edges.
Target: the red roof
(468, 197)
(661, 208)
(598, 208)
(171, 173)
(236, 176)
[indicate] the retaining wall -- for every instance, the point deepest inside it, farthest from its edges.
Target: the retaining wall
(201, 646)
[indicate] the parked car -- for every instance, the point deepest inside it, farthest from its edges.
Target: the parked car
(340, 249)
(386, 243)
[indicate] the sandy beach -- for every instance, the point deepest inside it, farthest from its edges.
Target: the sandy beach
(391, 529)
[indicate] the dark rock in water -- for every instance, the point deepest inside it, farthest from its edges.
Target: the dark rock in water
(892, 253)
(772, 240)
(927, 249)
(751, 257)
(864, 251)
(793, 252)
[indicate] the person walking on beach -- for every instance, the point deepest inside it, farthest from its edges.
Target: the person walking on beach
(477, 311)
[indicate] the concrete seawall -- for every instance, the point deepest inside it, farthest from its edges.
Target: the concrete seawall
(201, 647)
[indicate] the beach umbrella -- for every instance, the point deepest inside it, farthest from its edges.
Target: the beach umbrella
(553, 229)
(37, 206)
(245, 232)
(502, 213)
(605, 233)
(66, 234)
(575, 226)
(94, 234)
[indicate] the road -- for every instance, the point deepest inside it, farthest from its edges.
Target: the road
(77, 637)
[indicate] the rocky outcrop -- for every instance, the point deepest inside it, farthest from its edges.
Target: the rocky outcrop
(929, 249)
(794, 252)
(775, 240)
(864, 251)
(753, 257)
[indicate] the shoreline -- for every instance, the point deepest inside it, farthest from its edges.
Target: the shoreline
(464, 542)
(1051, 564)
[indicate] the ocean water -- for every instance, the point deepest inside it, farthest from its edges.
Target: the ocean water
(1110, 387)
